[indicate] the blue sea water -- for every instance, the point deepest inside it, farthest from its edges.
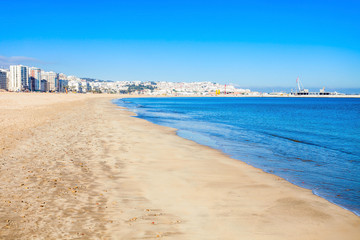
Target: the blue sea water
(311, 142)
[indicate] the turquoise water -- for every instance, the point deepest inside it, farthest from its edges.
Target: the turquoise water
(311, 142)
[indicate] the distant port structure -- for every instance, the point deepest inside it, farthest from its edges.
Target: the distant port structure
(300, 90)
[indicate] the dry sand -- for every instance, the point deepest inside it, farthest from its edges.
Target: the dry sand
(78, 167)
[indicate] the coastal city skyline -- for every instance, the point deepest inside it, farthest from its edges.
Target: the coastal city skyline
(21, 78)
(250, 45)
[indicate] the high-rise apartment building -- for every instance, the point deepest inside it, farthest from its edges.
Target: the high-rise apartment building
(44, 85)
(63, 85)
(19, 78)
(4, 78)
(34, 79)
(52, 78)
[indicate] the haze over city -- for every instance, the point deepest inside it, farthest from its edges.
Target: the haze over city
(248, 44)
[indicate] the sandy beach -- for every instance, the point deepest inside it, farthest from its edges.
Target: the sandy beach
(78, 167)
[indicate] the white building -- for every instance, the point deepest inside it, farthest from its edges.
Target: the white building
(62, 76)
(85, 86)
(74, 85)
(35, 79)
(52, 78)
(19, 78)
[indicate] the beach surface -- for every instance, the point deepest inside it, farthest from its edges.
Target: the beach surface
(76, 166)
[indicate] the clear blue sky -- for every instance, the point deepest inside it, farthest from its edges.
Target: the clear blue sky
(248, 43)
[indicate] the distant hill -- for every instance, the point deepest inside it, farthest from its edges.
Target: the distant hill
(95, 80)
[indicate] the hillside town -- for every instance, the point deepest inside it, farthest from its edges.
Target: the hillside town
(20, 78)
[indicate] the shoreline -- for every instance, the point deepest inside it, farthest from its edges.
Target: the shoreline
(206, 96)
(90, 171)
(244, 164)
(242, 96)
(233, 158)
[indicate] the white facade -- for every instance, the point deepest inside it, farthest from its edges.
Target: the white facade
(85, 86)
(52, 78)
(74, 85)
(62, 76)
(19, 78)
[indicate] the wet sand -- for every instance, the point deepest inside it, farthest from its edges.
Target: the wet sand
(78, 167)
